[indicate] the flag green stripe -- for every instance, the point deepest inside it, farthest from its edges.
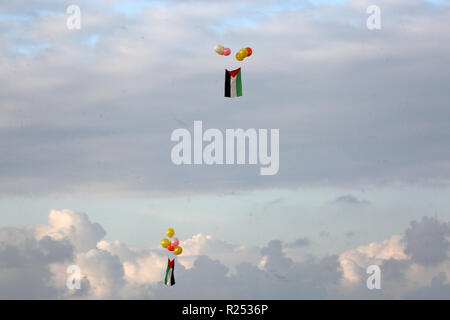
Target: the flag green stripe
(167, 274)
(238, 84)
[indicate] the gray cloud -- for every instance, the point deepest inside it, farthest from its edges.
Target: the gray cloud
(394, 270)
(439, 289)
(350, 199)
(91, 112)
(33, 264)
(96, 118)
(300, 242)
(350, 234)
(427, 241)
(285, 278)
(24, 264)
(324, 234)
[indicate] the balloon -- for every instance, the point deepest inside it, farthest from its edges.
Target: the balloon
(226, 51)
(239, 57)
(165, 242)
(170, 232)
(175, 242)
(178, 250)
(249, 51)
(218, 49)
(170, 247)
(243, 53)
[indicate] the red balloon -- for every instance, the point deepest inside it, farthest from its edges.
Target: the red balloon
(170, 247)
(250, 51)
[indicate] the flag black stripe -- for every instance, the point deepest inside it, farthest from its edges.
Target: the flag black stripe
(227, 84)
(172, 279)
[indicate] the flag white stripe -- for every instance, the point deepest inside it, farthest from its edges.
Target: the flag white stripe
(233, 90)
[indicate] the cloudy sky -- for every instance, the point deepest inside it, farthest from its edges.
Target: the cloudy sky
(86, 176)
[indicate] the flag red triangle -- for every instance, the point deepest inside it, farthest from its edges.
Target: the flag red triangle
(233, 73)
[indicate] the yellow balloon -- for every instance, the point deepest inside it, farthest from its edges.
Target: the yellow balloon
(239, 57)
(170, 232)
(243, 53)
(165, 242)
(178, 250)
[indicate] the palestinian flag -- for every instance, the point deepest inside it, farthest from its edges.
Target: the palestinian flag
(233, 83)
(170, 278)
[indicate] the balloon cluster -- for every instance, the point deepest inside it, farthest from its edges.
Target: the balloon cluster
(244, 53)
(172, 245)
(240, 55)
(219, 49)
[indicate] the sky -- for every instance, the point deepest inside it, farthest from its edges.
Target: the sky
(86, 176)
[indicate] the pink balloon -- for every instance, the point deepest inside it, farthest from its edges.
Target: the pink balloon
(226, 51)
(175, 242)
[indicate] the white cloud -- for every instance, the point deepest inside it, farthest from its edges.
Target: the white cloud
(76, 227)
(353, 261)
(33, 263)
(229, 254)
